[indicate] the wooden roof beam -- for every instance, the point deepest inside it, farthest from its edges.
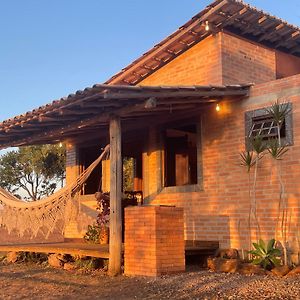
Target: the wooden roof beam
(77, 125)
(251, 27)
(232, 18)
(288, 37)
(178, 94)
(271, 32)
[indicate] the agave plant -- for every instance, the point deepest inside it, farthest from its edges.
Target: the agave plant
(266, 256)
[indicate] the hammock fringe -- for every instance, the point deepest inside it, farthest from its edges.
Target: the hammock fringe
(43, 215)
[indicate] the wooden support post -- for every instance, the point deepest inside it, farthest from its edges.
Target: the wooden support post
(115, 240)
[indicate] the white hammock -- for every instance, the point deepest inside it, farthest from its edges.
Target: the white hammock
(43, 215)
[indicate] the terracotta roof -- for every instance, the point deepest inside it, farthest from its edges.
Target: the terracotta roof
(231, 16)
(92, 107)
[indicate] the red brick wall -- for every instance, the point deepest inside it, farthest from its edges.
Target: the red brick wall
(244, 61)
(200, 65)
(219, 59)
(286, 65)
(154, 240)
(220, 211)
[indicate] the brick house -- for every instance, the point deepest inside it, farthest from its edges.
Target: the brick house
(185, 152)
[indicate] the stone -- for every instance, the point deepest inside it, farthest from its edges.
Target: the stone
(218, 264)
(69, 266)
(250, 269)
(280, 271)
(294, 272)
(12, 257)
(55, 261)
(228, 253)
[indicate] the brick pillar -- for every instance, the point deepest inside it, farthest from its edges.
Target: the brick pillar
(72, 163)
(154, 240)
(72, 172)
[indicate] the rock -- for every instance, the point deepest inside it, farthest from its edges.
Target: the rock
(250, 269)
(12, 257)
(280, 271)
(294, 272)
(228, 253)
(55, 261)
(218, 264)
(69, 266)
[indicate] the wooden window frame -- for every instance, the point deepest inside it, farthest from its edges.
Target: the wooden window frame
(190, 187)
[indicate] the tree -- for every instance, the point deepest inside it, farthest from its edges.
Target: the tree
(278, 111)
(128, 174)
(33, 172)
(251, 159)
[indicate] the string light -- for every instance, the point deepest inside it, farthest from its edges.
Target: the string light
(207, 26)
(218, 108)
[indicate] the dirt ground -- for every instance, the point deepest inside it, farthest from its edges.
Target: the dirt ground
(28, 281)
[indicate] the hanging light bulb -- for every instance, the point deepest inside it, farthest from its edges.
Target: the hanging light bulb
(207, 26)
(218, 108)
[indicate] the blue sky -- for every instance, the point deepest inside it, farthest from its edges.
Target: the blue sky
(51, 48)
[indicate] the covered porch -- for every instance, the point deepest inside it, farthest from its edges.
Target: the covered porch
(123, 116)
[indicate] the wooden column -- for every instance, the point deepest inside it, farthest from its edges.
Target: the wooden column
(115, 240)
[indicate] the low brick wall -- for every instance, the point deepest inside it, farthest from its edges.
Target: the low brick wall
(154, 240)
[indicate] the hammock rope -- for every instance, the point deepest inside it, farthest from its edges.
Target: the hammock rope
(43, 215)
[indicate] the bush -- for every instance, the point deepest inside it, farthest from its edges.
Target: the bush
(93, 234)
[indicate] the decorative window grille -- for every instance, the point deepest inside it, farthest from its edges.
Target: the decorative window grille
(259, 123)
(265, 127)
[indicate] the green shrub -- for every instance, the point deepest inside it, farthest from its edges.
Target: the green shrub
(32, 257)
(266, 255)
(93, 234)
(92, 263)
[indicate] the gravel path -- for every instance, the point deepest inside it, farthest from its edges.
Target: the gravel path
(34, 282)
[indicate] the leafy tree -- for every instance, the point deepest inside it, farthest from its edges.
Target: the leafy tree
(128, 173)
(34, 171)
(278, 111)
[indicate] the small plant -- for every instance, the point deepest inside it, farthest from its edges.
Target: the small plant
(34, 257)
(93, 234)
(104, 208)
(98, 233)
(266, 255)
(89, 264)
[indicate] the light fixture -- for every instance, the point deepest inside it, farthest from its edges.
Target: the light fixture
(207, 26)
(151, 103)
(218, 108)
(60, 145)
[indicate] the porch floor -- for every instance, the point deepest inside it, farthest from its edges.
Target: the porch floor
(100, 251)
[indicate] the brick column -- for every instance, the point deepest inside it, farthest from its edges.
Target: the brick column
(154, 240)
